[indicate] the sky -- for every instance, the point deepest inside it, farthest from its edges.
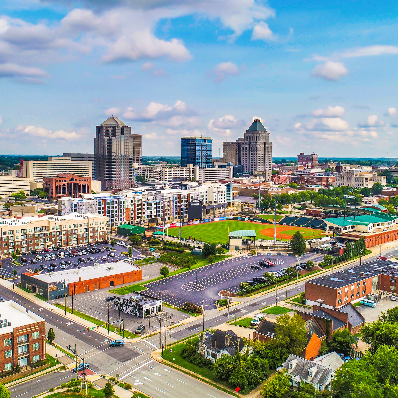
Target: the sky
(322, 76)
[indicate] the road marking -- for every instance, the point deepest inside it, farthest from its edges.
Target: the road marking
(181, 381)
(157, 374)
(160, 390)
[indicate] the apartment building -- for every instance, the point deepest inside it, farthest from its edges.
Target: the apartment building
(40, 232)
(36, 170)
(110, 206)
(10, 185)
(22, 336)
(308, 161)
(358, 179)
(82, 157)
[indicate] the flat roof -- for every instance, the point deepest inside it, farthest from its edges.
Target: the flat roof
(347, 277)
(361, 220)
(87, 273)
(17, 315)
(243, 233)
(28, 220)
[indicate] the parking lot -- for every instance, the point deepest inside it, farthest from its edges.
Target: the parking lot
(372, 314)
(204, 284)
(94, 304)
(66, 258)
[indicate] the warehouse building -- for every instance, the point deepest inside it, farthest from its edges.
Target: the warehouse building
(22, 337)
(76, 281)
(343, 287)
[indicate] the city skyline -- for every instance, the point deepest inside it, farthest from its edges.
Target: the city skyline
(312, 73)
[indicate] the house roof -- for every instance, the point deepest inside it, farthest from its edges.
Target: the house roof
(223, 340)
(321, 375)
(266, 328)
(337, 323)
(312, 327)
(331, 360)
(354, 316)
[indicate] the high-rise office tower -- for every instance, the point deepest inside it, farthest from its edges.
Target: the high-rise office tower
(197, 151)
(256, 150)
(115, 152)
(253, 152)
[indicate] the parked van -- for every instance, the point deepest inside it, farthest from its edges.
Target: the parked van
(369, 303)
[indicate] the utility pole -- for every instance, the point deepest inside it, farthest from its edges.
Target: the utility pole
(73, 295)
(65, 294)
(275, 228)
(203, 311)
(165, 334)
(259, 196)
(108, 318)
(228, 305)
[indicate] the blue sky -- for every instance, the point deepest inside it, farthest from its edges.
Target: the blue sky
(321, 75)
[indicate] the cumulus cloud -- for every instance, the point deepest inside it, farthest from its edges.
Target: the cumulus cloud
(327, 124)
(330, 111)
(392, 112)
(48, 134)
(371, 121)
(262, 32)
(112, 111)
(224, 69)
(147, 66)
(370, 51)
(226, 123)
(330, 70)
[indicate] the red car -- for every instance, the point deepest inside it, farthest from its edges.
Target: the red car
(383, 258)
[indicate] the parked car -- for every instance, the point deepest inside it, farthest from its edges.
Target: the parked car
(140, 329)
(393, 298)
(255, 266)
(110, 298)
(80, 367)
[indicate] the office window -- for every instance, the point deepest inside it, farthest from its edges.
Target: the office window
(35, 335)
(36, 358)
(7, 342)
(23, 338)
(22, 349)
(8, 366)
(8, 354)
(36, 346)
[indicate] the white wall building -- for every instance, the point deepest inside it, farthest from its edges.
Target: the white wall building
(358, 179)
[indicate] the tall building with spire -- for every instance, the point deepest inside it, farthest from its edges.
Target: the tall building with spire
(253, 152)
(115, 152)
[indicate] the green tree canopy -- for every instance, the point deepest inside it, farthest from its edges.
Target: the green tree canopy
(291, 333)
(376, 188)
(277, 386)
(4, 393)
(108, 390)
(51, 335)
(297, 244)
(341, 342)
(164, 271)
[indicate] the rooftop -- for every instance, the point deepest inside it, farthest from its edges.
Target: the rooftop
(27, 220)
(17, 315)
(112, 121)
(86, 273)
(256, 126)
(243, 233)
(344, 278)
(361, 220)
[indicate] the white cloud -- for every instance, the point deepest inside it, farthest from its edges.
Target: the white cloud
(370, 51)
(1, 121)
(147, 66)
(330, 111)
(330, 70)
(129, 114)
(262, 32)
(159, 72)
(371, 121)
(14, 70)
(226, 122)
(327, 124)
(224, 69)
(112, 112)
(392, 112)
(48, 134)
(151, 136)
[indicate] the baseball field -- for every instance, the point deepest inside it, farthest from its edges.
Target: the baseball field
(217, 232)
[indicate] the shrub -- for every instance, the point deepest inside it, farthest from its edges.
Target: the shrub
(127, 386)
(222, 302)
(191, 307)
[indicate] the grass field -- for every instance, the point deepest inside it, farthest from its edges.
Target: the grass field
(244, 322)
(217, 232)
(276, 310)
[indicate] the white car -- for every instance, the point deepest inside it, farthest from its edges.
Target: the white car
(393, 298)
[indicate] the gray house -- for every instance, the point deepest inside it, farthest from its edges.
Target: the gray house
(215, 345)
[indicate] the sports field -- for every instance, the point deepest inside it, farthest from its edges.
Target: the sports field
(217, 232)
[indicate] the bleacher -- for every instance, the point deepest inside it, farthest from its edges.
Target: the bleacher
(316, 223)
(288, 220)
(301, 222)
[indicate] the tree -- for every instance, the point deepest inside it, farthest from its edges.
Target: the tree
(309, 265)
(291, 333)
(20, 195)
(209, 249)
(51, 335)
(164, 271)
(4, 393)
(113, 242)
(108, 390)
(341, 342)
(377, 188)
(140, 179)
(135, 239)
(297, 244)
(380, 333)
(365, 191)
(130, 251)
(277, 386)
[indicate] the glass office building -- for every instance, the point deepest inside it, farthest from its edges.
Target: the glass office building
(197, 151)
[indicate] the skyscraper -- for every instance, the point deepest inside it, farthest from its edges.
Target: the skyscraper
(197, 151)
(253, 152)
(115, 152)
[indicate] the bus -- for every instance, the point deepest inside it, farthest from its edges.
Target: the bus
(369, 303)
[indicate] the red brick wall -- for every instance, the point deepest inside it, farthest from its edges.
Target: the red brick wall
(372, 240)
(315, 292)
(105, 281)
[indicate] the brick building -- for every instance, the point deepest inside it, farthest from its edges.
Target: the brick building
(308, 161)
(324, 180)
(77, 281)
(343, 287)
(66, 185)
(40, 232)
(22, 336)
